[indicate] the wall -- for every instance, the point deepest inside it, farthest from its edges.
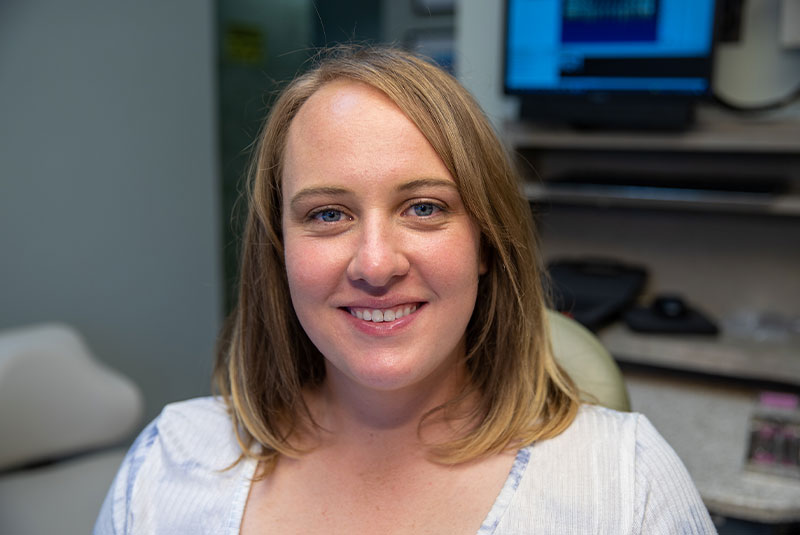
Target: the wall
(479, 51)
(247, 83)
(108, 182)
(398, 18)
(347, 20)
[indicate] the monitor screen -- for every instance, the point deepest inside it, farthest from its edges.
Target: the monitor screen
(616, 46)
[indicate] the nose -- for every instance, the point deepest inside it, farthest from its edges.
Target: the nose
(378, 256)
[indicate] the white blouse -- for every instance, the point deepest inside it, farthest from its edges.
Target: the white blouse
(610, 472)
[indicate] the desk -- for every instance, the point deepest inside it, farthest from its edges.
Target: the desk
(707, 424)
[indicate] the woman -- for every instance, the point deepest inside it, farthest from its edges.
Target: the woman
(387, 369)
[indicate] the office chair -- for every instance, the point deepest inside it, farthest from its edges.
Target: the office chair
(589, 364)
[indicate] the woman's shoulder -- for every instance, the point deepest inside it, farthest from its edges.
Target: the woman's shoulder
(597, 435)
(625, 442)
(625, 438)
(609, 471)
(605, 426)
(593, 415)
(199, 431)
(181, 474)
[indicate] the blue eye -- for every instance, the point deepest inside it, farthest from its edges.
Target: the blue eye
(424, 209)
(329, 216)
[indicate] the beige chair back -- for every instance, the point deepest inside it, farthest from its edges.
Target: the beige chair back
(589, 364)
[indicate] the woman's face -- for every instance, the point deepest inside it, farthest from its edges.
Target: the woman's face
(382, 258)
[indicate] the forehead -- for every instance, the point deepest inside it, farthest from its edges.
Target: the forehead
(349, 131)
(339, 108)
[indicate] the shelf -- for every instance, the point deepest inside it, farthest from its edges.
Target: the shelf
(663, 198)
(724, 355)
(715, 131)
(725, 163)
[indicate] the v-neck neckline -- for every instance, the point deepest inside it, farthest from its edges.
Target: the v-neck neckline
(506, 495)
(488, 527)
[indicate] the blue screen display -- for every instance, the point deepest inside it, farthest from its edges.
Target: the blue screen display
(609, 45)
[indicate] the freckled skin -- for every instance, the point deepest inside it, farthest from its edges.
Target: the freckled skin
(378, 240)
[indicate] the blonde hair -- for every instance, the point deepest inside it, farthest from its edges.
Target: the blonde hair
(265, 359)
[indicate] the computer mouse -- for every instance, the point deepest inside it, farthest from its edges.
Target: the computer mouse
(670, 306)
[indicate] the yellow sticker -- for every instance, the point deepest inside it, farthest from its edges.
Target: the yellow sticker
(244, 43)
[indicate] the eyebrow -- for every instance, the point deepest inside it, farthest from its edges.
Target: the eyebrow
(427, 183)
(405, 186)
(314, 191)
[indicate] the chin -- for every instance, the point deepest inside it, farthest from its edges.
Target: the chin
(395, 373)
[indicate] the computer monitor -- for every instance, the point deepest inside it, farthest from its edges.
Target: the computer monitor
(612, 63)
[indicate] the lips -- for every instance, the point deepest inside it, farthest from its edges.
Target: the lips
(383, 315)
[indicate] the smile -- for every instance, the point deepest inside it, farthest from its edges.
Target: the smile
(377, 315)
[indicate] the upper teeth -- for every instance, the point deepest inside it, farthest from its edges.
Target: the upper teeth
(377, 315)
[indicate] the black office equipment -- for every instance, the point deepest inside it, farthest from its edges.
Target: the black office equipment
(594, 291)
(669, 314)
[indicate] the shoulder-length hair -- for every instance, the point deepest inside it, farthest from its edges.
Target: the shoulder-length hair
(266, 360)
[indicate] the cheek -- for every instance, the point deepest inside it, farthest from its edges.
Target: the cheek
(303, 272)
(453, 262)
(311, 269)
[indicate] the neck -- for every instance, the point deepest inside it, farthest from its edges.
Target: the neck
(363, 420)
